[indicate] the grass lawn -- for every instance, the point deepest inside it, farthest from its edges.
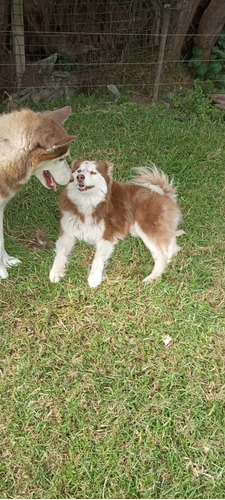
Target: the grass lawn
(94, 404)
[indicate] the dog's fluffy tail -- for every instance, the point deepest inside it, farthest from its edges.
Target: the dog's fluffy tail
(156, 180)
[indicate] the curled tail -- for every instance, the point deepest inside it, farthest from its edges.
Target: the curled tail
(156, 180)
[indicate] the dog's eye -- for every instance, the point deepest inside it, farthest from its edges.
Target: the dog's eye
(78, 171)
(61, 159)
(93, 173)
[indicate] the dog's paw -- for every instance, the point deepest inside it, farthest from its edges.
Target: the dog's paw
(55, 276)
(11, 261)
(3, 272)
(151, 278)
(147, 279)
(94, 279)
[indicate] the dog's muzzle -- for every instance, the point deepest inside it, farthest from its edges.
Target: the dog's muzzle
(81, 183)
(80, 178)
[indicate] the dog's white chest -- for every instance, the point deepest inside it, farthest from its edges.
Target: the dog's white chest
(88, 230)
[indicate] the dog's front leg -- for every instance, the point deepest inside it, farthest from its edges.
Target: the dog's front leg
(3, 271)
(5, 259)
(64, 246)
(104, 249)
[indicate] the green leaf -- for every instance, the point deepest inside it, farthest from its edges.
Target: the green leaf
(197, 51)
(221, 81)
(219, 52)
(202, 70)
(221, 41)
(215, 68)
(194, 63)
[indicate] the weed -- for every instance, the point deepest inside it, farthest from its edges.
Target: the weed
(196, 103)
(215, 68)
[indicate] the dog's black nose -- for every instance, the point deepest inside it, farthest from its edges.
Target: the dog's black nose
(80, 178)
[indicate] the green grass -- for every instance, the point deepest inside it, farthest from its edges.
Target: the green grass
(94, 405)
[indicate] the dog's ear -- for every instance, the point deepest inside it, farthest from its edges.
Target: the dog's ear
(60, 115)
(60, 143)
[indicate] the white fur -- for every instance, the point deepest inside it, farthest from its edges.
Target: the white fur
(103, 251)
(88, 231)
(154, 188)
(3, 271)
(74, 229)
(87, 200)
(64, 246)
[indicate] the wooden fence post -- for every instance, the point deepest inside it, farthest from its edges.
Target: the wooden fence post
(159, 67)
(18, 44)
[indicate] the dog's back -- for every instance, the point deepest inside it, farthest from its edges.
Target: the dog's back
(151, 206)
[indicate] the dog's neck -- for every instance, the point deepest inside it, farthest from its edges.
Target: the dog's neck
(86, 202)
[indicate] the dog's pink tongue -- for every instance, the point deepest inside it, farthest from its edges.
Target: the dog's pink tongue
(49, 179)
(53, 184)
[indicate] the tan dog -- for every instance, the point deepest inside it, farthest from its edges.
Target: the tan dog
(31, 144)
(100, 211)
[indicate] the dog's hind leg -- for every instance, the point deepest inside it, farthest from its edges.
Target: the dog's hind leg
(104, 249)
(173, 248)
(64, 246)
(158, 252)
(160, 262)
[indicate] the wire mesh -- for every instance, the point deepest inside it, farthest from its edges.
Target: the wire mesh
(81, 45)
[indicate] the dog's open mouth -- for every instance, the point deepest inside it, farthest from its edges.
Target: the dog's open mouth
(49, 179)
(82, 187)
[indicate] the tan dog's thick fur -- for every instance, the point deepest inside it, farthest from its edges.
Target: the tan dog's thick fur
(31, 144)
(99, 211)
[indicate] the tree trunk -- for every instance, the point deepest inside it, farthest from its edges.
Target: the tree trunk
(180, 23)
(210, 26)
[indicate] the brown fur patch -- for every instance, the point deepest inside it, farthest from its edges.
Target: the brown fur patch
(38, 155)
(11, 178)
(75, 165)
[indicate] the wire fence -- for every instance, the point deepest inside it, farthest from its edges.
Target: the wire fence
(55, 48)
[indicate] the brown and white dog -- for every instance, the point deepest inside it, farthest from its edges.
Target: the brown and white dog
(31, 144)
(99, 211)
